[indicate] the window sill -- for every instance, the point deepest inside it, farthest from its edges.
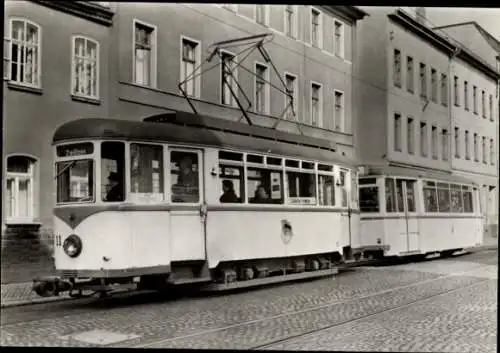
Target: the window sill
(95, 101)
(24, 88)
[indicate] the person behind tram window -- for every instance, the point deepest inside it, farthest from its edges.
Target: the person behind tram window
(187, 177)
(261, 195)
(228, 196)
(114, 187)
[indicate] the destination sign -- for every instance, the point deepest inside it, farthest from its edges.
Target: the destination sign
(76, 149)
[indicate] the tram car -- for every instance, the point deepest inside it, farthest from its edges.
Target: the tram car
(414, 213)
(180, 198)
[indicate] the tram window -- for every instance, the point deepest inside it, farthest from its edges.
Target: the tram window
(252, 158)
(430, 197)
(146, 170)
(292, 164)
(326, 190)
(231, 156)
(456, 199)
(368, 199)
(307, 165)
(390, 196)
(399, 195)
(410, 195)
(232, 184)
(274, 161)
(75, 181)
(467, 195)
(184, 176)
(264, 186)
(113, 171)
(301, 188)
(443, 191)
(343, 187)
(325, 168)
(367, 181)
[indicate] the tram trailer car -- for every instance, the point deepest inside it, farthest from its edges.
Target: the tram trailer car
(186, 199)
(413, 213)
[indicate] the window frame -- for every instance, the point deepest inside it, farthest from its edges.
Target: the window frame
(397, 75)
(164, 170)
(483, 104)
(456, 91)
(424, 139)
(168, 176)
(476, 147)
(73, 67)
(8, 56)
(434, 141)
(34, 177)
(457, 141)
(234, 84)
(295, 21)
(153, 79)
(445, 141)
(492, 151)
(492, 109)
(295, 96)
(423, 80)
(266, 89)
(444, 89)
(466, 95)
(341, 53)
(467, 144)
(266, 14)
(320, 104)
(342, 112)
(318, 45)
(397, 123)
(474, 100)
(410, 74)
(485, 154)
(410, 135)
(196, 69)
(434, 85)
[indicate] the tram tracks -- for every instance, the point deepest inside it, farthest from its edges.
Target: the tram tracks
(205, 334)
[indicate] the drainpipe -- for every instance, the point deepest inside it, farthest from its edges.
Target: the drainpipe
(451, 104)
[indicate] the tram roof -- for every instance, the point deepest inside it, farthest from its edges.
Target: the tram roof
(393, 171)
(187, 128)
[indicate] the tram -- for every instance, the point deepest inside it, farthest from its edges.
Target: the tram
(414, 213)
(181, 198)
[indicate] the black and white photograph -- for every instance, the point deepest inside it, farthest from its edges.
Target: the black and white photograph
(242, 176)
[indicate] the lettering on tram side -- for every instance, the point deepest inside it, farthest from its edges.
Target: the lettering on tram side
(287, 232)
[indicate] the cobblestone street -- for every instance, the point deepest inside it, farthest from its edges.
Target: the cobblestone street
(436, 305)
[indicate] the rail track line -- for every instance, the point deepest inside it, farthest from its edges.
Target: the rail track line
(337, 302)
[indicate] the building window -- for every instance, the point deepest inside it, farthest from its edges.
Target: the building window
(474, 99)
(291, 20)
(228, 82)
(397, 132)
(423, 81)
(409, 74)
(144, 55)
(190, 60)
(261, 89)
(466, 95)
(261, 14)
(444, 90)
(20, 196)
(457, 142)
(476, 148)
(434, 85)
(316, 32)
(467, 145)
(491, 108)
(316, 100)
(291, 102)
(485, 154)
(434, 138)
(397, 68)
(483, 104)
(445, 146)
(339, 39)
(339, 111)
(455, 91)
(24, 58)
(410, 136)
(492, 152)
(423, 139)
(85, 72)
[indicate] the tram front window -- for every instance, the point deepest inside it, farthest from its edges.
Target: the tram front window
(75, 181)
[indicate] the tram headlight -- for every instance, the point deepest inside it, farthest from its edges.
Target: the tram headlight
(72, 245)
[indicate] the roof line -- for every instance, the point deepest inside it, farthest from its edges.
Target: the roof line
(479, 27)
(456, 24)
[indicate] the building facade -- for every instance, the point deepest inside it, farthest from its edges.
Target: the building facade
(426, 102)
(125, 60)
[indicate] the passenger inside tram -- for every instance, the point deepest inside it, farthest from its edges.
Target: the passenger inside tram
(229, 195)
(114, 187)
(185, 188)
(261, 195)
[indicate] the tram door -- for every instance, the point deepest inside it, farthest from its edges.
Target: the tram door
(407, 201)
(187, 197)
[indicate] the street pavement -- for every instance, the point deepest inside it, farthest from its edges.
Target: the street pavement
(14, 294)
(436, 305)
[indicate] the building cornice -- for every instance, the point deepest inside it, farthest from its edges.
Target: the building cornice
(443, 44)
(85, 9)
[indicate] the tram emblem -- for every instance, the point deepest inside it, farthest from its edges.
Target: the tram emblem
(286, 231)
